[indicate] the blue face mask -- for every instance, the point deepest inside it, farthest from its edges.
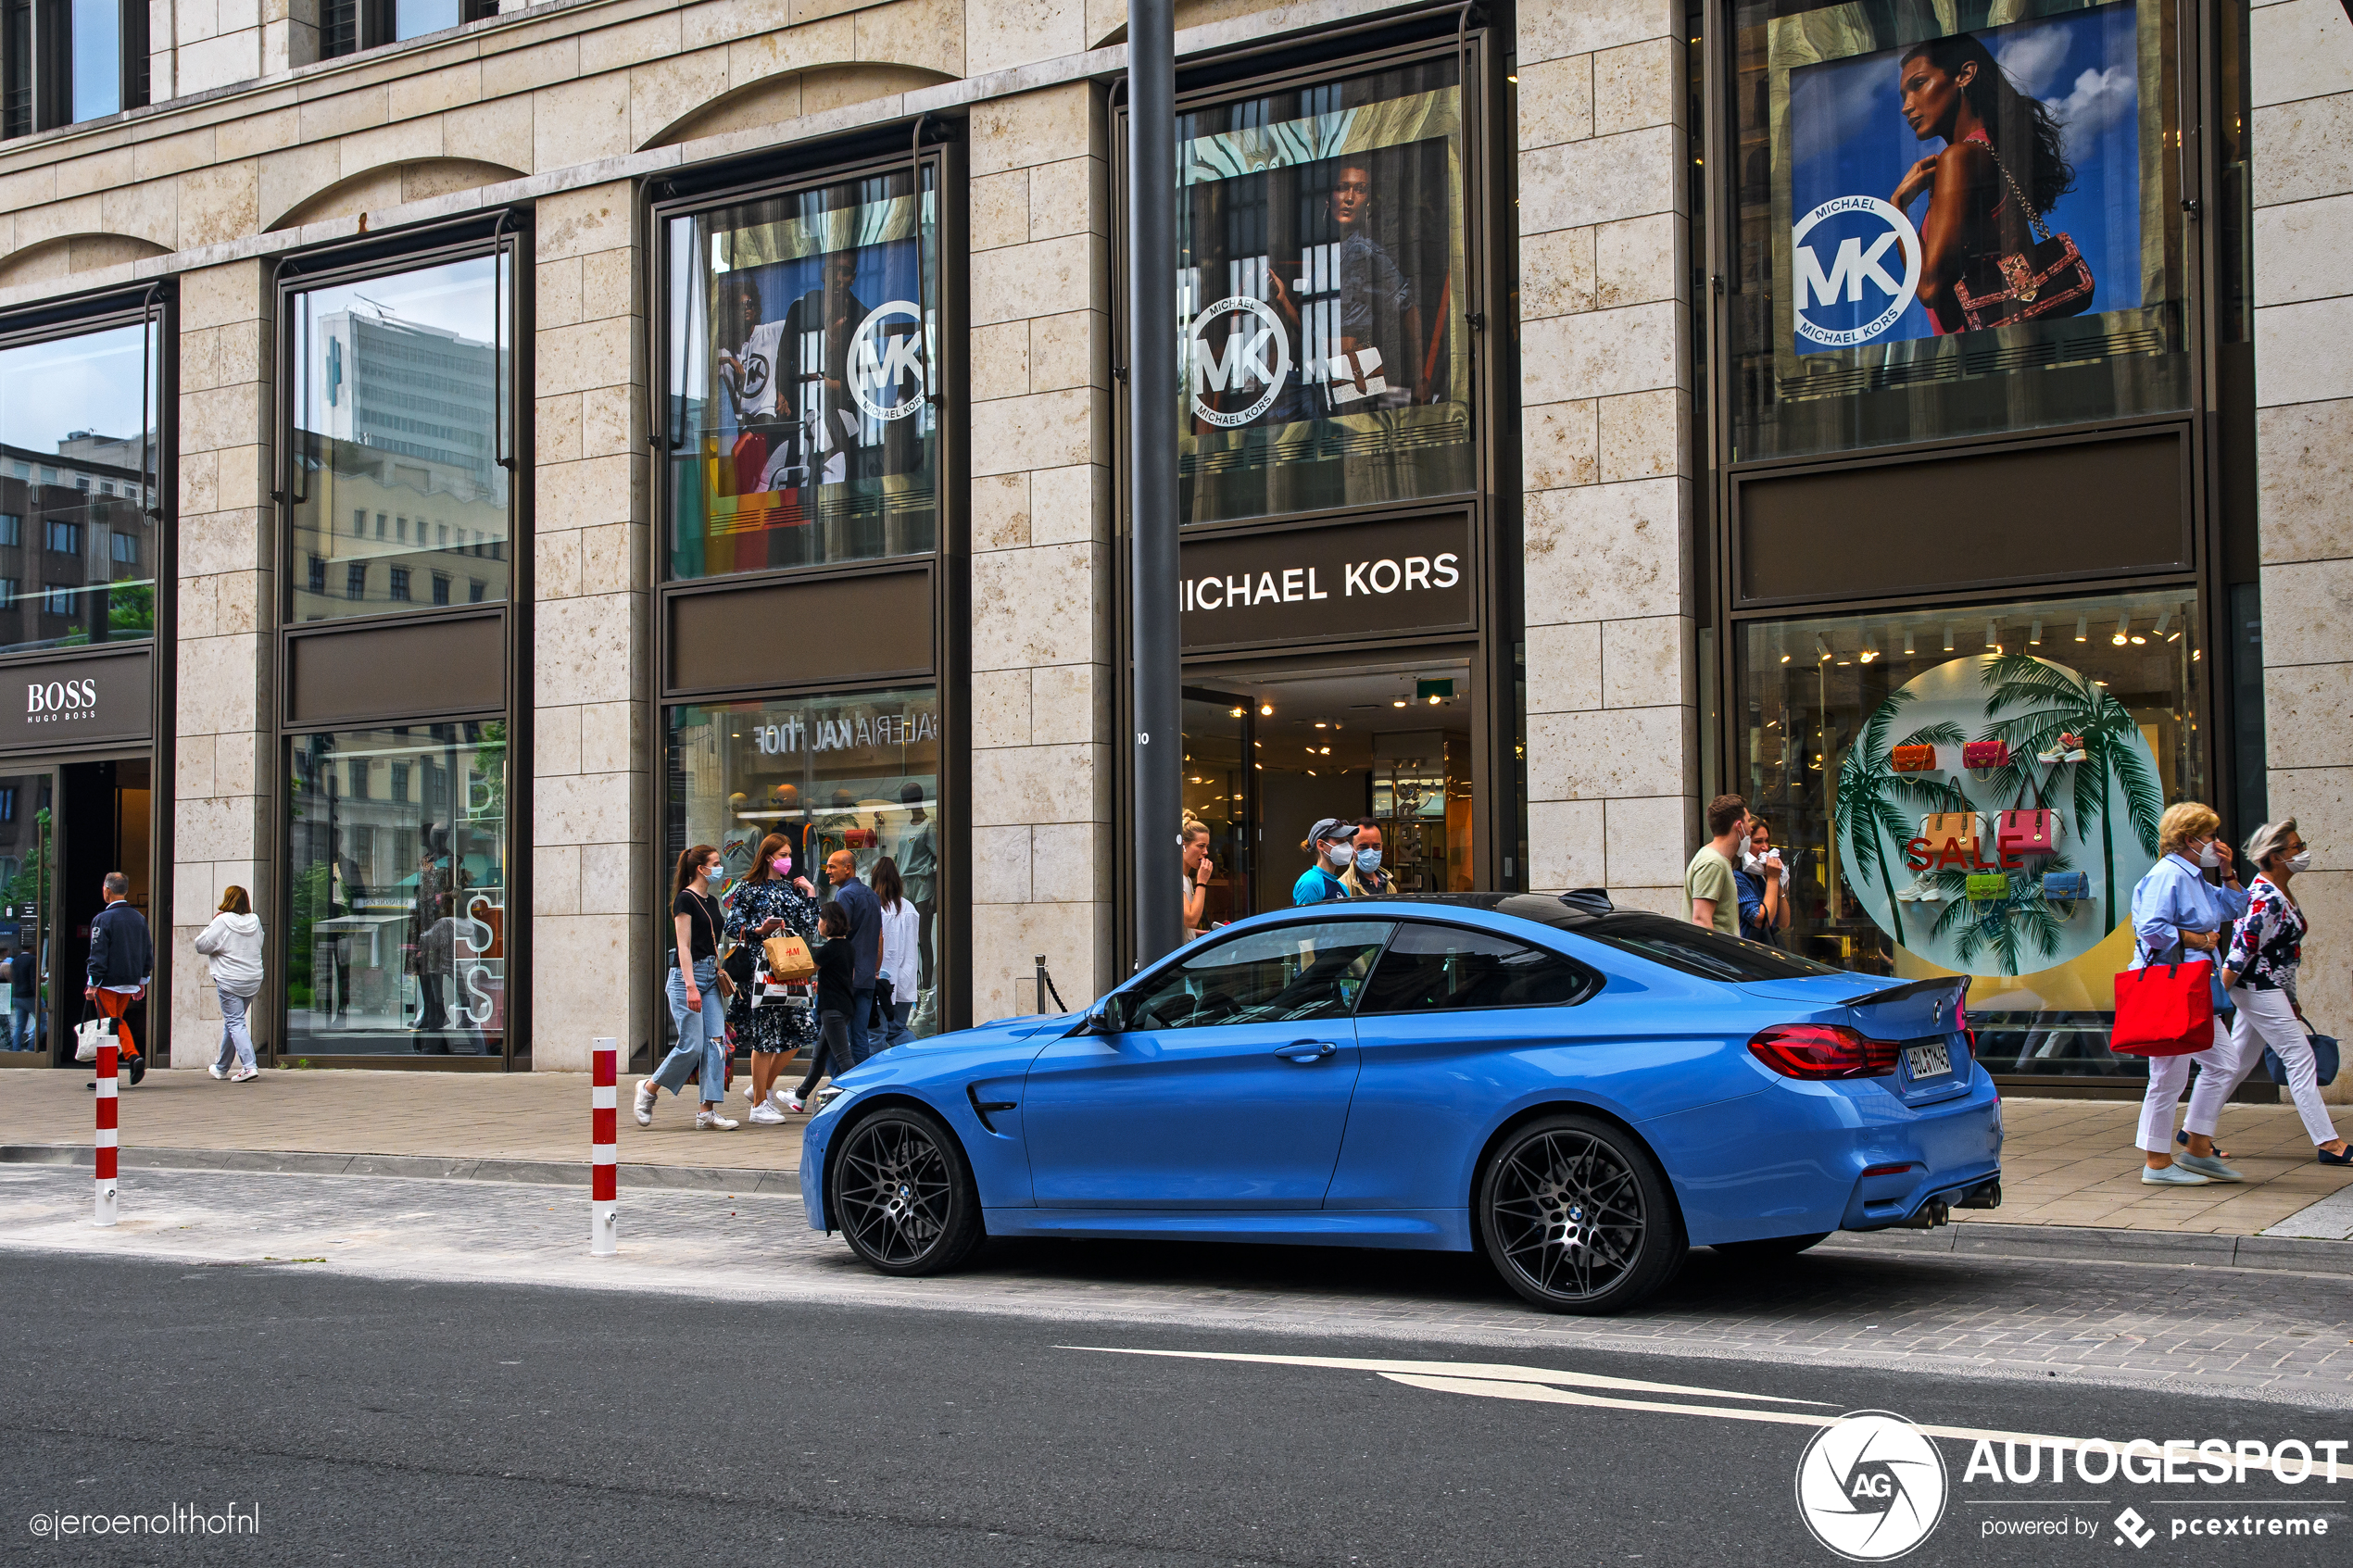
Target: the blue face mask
(1368, 860)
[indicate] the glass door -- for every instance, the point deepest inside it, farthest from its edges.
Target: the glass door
(28, 895)
(1221, 791)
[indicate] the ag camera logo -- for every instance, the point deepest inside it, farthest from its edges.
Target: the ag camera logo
(1856, 298)
(1871, 1486)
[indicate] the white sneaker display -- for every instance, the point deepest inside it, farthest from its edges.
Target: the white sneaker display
(1924, 890)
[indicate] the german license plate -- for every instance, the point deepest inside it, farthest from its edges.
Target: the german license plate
(1928, 1061)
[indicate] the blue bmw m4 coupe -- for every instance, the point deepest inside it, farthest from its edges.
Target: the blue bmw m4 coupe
(1580, 1092)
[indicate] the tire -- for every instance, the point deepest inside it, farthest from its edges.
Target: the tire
(1770, 1250)
(900, 1192)
(1577, 1216)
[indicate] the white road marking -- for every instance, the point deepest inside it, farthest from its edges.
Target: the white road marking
(1496, 1374)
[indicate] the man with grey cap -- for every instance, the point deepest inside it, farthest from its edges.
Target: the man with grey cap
(1333, 843)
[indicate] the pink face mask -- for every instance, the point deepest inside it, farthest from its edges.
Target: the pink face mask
(781, 865)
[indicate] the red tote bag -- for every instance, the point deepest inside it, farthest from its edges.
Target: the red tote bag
(2165, 1010)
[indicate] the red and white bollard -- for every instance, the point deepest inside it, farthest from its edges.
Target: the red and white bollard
(108, 1105)
(604, 1152)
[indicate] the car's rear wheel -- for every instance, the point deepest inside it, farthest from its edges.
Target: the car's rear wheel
(1577, 1217)
(1770, 1249)
(902, 1193)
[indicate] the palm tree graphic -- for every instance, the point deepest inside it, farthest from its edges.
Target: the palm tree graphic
(1869, 811)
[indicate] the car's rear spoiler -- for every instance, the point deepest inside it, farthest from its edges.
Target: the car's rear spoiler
(1902, 1012)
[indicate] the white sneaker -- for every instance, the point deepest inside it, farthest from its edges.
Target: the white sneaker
(766, 1116)
(1925, 889)
(780, 1097)
(712, 1122)
(245, 1074)
(791, 1102)
(214, 1068)
(645, 1106)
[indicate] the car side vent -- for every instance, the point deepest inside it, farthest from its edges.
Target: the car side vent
(1589, 900)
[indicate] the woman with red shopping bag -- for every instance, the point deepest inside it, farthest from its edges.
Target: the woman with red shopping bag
(2168, 1004)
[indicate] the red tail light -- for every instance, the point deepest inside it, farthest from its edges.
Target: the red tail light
(1819, 1050)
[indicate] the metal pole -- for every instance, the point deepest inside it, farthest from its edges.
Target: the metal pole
(604, 1148)
(1154, 374)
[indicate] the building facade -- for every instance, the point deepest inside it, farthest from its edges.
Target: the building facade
(454, 460)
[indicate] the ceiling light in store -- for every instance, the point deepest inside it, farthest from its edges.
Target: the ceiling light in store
(1311, 773)
(2123, 630)
(1948, 639)
(1871, 648)
(1821, 647)
(2197, 653)
(2164, 620)
(1398, 703)
(1993, 636)
(1323, 725)
(2083, 627)
(1265, 711)
(1326, 752)
(1434, 701)
(2034, 637)
(1908, 642)
(1236, 712)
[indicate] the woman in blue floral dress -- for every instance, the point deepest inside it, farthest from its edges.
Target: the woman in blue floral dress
(770, 901)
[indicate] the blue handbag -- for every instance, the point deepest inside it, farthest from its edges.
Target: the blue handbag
(2324, 1060)
(2057, 885)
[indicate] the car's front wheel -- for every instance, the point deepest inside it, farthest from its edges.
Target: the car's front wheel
(1577, 1217)
(902, 1193)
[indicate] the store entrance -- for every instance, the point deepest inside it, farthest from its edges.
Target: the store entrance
(62, 829)
(1266, 756)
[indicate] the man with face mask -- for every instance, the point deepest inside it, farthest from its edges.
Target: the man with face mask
(1365, 877)
(1333, 843)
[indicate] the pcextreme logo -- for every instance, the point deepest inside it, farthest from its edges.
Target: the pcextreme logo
(1872, 1486)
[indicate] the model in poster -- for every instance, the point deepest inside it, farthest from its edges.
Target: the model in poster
(1371, 359)
(793, 415)
(1954, 89)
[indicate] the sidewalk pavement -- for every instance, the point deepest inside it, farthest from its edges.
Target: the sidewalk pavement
(2068, 1162)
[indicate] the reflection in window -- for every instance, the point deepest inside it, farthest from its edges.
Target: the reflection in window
(1320, 296)
(1439, 968)
(802, 426)
(1851, 750)
(1290, 975)
(73, 429)
(859, 773)
(401, 408)
(398, 892)
(2051, 287)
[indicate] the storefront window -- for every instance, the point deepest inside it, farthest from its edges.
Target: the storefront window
(802, 423)
(1320, 296)
(1898, 761)
(78, 458)
(402, 431)
(1950, 225)
(859, 773)
(396, 892)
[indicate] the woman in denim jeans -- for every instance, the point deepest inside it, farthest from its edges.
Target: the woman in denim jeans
(233, 944)
(693, 994)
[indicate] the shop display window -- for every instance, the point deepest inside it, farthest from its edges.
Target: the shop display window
(1953, 221)
(803, 425)
(79, 496)
(1320, 296)
(396, 892)
(1976, 790)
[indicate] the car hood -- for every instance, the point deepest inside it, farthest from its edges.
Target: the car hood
(1007, 1038)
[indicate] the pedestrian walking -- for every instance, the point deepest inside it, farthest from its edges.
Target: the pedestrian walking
(122, 959)
(694, 1003)
(1364, 878)
(770, 901)
(1708, 881)
(1333, 845)
(2266, 947)
(232, 943)
(837, 995)
(2174, 905)
(864, 915)
(24, 975)
(902, 928)
(1764, 884)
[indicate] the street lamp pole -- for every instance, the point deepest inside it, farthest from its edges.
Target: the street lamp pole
(1154, 377)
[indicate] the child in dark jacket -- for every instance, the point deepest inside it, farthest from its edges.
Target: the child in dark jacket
(836, 968)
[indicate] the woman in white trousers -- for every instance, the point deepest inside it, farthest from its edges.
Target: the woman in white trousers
(2175, 905)
(2260, 971)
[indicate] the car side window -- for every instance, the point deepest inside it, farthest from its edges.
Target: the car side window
(1284, 976)
(1445, 968)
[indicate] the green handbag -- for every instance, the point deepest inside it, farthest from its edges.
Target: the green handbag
(1988, 887)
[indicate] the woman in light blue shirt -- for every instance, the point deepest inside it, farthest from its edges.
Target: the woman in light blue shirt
(2175, 904)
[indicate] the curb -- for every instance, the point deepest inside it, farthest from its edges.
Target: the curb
(536, 1173)
(2076, 1243)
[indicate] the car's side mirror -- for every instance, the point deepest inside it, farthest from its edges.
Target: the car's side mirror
(1106, 1017)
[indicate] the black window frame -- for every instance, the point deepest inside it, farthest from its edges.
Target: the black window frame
(36, 64)
(345, 27)
(1593, 981)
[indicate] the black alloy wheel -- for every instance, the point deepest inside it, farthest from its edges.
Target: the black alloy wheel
(1577, 1217)
(902, 1194)
(1772, 1248)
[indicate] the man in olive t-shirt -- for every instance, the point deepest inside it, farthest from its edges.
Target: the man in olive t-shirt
(1707, 881)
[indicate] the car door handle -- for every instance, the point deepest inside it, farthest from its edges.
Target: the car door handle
(1306, 1050)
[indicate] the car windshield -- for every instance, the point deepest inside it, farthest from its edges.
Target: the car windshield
(1697, 949)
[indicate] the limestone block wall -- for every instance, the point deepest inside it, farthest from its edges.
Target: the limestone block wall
(1612, 735)
(226, 606)
(591, 664)
(2302, 79)
(1041, 571)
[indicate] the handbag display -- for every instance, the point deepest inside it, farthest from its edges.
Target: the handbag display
(1912, 760)
(1952, 830)
(2165, 1010)
(2027, 832)
(1985, 755)
(790, 960)
(2064, 885)
(1988, 887)
(2048, 278)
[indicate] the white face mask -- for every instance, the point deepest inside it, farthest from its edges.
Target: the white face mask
(2207, 858)
(2300, 862)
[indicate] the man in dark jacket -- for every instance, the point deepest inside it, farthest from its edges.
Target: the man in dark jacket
(123, 958)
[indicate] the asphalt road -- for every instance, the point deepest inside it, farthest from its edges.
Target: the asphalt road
(382, 1421)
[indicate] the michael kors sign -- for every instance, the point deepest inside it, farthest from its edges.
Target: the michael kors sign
(1314, 584)
(76, 702)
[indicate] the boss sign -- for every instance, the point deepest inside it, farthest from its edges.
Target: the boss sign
(1856, 260)
(48, 702)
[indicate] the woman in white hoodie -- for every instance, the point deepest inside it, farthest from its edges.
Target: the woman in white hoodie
(233, 944)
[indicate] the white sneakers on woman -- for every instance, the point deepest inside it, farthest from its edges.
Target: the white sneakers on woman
(766, 1116)
(712, 1122)
(645, 1106)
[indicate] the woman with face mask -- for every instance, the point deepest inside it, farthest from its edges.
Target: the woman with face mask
(1365, 877)
(2266, 949)
(2176, 905)
(772, 901)
(1332, 842)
